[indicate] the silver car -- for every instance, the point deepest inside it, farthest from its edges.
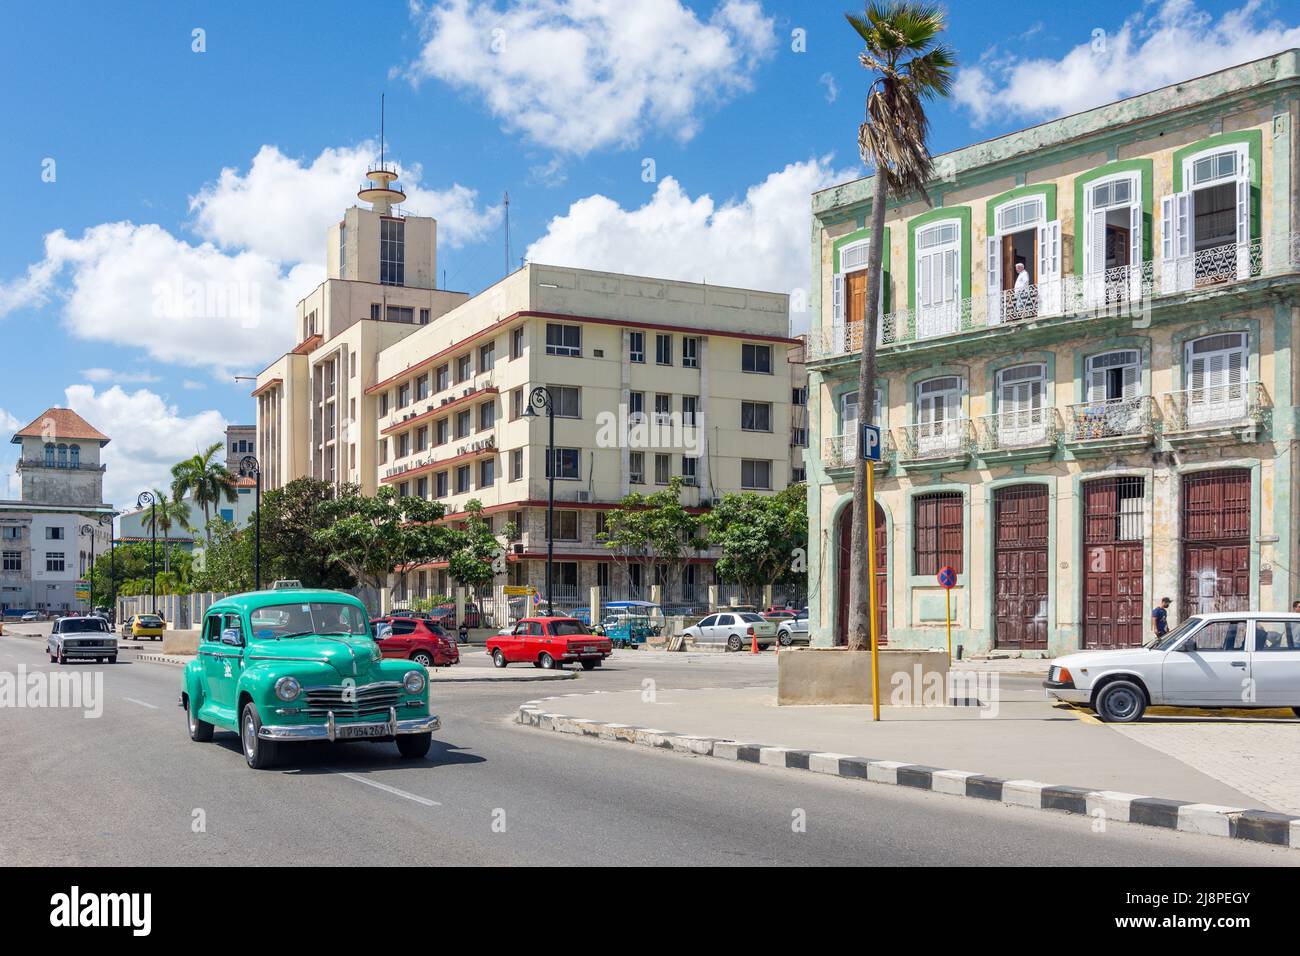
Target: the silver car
(794, 630)
(735, 630)
(81, 638)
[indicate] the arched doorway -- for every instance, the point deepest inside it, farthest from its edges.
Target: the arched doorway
(844, 540)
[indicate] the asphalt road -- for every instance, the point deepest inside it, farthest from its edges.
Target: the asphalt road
(130, 788)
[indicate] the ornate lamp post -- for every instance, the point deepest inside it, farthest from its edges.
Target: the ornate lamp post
(541, 399)
(90, 530)
(112, 569)
(147, 498)
(249, 467)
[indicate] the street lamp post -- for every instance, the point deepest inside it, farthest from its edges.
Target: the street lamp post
(90, 530)
(249, 467)
(147, 498)
(112, 569)
(541, 399)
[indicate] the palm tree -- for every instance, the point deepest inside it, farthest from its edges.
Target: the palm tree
(208, 482)
(911, 66)
(168, 512)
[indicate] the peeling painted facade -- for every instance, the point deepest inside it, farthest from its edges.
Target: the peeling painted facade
(1086, 374)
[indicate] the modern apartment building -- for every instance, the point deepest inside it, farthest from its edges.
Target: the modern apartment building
(42, 548)
(1087, 374)
(649, 379)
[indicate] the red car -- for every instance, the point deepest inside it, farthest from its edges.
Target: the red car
(549, 642)
(779, 614)
(446, 615)
(418, 640)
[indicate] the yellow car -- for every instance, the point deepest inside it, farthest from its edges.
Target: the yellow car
(144, 625)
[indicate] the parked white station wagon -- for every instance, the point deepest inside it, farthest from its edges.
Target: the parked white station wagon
(1226, 659)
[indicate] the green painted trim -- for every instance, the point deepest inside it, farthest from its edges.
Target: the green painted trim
(1146, 168)
(1113, 344)
(844, 387)
(1213, 326)
(1020, 192)
(1254, 140)
(1285, 581)
(1253, 465)
(1045, 358)
(827, 637)
(966, 266)
(914, 581)
(885, 266)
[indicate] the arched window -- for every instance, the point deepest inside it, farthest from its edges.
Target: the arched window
(76, 456)
(49, 456)
(63, 456)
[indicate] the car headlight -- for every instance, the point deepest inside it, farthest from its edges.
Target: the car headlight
(413, 682)
(288, 688)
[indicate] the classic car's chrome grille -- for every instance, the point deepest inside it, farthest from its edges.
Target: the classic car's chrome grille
(368, 700)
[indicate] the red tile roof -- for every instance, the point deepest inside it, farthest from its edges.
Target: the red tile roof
(55, 423)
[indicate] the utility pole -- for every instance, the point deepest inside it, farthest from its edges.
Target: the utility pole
(507, 205)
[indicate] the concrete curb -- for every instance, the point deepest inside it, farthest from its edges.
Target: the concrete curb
(1261, 826)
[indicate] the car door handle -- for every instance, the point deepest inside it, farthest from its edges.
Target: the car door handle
(1238, 663)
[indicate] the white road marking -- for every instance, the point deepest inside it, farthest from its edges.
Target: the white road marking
(141, 703)
(393, 790)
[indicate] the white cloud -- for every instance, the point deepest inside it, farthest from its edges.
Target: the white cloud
(147, 435)
(1154, 47)
(758, 242)
(578, 75)
(103, 375)
(282, 206)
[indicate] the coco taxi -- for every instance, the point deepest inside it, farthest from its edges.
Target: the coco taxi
(284, 666)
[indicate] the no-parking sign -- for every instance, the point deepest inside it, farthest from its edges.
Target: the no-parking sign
(947, 577)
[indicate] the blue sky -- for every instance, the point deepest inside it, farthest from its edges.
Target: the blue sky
(563, 104)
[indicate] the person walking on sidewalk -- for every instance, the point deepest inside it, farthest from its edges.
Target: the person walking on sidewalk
(1160, 618)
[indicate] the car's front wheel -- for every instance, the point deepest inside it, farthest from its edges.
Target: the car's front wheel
(733, 642)
(414, 746)
(259, 753)
(200, 730)
(423, 658)
(1121, 702)
(498, 658)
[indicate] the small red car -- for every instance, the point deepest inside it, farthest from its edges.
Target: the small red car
(549, 642)
(779, 614)
(445, 615)
(418, 640)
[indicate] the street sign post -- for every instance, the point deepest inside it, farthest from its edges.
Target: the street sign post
(870, 447)
(948, 580)
(870, 442)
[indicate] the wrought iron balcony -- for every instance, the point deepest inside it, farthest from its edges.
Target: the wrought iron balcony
(1104, 422)
(1235, 411)
(1020, 430)
(41, 463)
(841, 451)
(942, 441)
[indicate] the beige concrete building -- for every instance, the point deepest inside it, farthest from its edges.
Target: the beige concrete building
(425, 391)
(1087, 374)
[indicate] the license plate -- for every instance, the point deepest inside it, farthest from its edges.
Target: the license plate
(353, 731)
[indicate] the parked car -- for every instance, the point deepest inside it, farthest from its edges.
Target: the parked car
(778, 614)
(417, 639)
(1225, 659)
(793, 630)
(144, 625)
(647, 609)
(81, 638)
(549, 642)
(30, 616)
(445, 615)
(735, 630)
(279, 667)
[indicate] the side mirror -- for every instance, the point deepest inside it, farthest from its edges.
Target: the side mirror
(383, 631)
(233, 637)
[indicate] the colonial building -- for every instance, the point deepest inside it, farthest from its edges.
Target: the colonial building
(404, 386)
(42, 548)
(1087, 374)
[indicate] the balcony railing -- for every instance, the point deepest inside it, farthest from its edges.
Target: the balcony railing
(1015, 429)
(1111, 418)
(943, 439)
(1238, 405)
(59, 465)
(1107, 292)
(841, 451)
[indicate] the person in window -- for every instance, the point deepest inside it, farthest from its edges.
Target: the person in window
(1021, 291)
(1160, 618)
(1295, 607)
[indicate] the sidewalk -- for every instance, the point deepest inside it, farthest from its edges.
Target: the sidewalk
(1028, 739)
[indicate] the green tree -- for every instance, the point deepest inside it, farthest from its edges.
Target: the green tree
(167, 512)
(291, 516)
(763, 539)
(372, 537)
(476, 560)
(649, 530)
(130, 562)
(910, 66)
(208, 481)
(227, 559)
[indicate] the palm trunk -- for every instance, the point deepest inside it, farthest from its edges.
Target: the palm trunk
(860, 583)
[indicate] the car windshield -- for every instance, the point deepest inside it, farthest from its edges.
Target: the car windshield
(751, 618)
(82, 624)
(565, 628)
(302, 619)
(1174, 636)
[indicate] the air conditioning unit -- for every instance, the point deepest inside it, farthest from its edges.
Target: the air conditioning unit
(584, 495)
(688, 481)
(446, 400)
(716, 502)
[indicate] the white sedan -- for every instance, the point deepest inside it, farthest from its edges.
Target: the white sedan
(1226, 659)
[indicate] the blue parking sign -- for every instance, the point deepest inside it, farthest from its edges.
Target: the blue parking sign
(870, 442)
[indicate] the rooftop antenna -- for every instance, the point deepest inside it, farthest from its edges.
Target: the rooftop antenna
(507, 205)
(382, 191)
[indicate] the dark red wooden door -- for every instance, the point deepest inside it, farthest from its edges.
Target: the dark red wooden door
(844, 538)
(1020, 567)
(1113, 608)
(1216, 541)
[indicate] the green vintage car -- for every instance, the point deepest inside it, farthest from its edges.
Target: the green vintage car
(283, 666)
